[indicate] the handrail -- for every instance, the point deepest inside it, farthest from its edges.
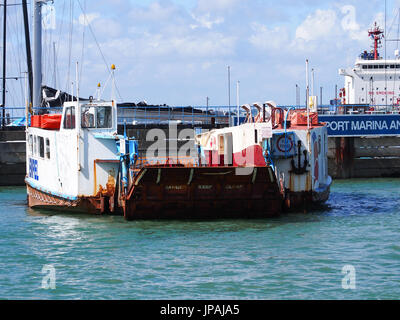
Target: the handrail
(200, 115)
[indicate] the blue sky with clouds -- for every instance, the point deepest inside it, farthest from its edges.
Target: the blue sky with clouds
(177, 51)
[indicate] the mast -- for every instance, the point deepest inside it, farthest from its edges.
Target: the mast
(229, 93)
(28, 47)
(376, 34)
(238, 102)
(4, 63)
(307, 95)
(37, 53)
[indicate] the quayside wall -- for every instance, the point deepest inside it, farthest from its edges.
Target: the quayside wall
(363, 157)
(363, 146)
(12, 157)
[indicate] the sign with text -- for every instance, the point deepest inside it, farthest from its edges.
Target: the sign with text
(362, 125)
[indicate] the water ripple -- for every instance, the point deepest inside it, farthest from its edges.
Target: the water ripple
(295, 256)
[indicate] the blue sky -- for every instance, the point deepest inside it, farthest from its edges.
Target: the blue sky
(177, 51)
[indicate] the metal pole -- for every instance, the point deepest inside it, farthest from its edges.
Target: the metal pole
(208, 99)
(229, 93)
(37, 54)
(335, 97)
(28, 48)
(55, 65)
(77, 82)
(238, 102)
(4, 62)
(307, 96)
(26, 101)
(386, 88)
(312, 82)
(320, 102)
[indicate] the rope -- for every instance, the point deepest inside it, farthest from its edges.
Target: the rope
(98, 46)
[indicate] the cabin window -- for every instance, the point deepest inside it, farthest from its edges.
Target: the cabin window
(41, 147)
(96, 117)
(381, 66)
(87, 117)
(30, 144)
(255, 136)
(47, 148)
(69, 118)
(104, 116)
(35, 145)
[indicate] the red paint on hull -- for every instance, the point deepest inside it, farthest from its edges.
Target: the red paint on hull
(92, 205)
(251, 156)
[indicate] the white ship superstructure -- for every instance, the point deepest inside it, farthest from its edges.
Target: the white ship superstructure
(372, 81)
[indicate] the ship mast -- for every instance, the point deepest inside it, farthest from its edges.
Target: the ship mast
(4, 62)
(28, 47)
(376, 34)
(37, 53)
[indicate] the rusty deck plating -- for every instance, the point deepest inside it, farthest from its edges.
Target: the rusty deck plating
(161, 192)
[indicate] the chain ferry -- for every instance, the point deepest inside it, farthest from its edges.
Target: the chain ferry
(277, 160)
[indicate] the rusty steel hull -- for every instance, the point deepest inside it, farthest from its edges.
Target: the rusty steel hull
(300, 201)
(93, 205)
(202, 193)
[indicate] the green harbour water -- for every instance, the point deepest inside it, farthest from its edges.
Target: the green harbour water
(295, 256)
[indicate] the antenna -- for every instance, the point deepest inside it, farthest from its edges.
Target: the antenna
(376, 34)
(4, 61)
(98, 91)
(238, 102)
(55, 65)
(307, 96)
(113, 82)
(386, 88)
(77, 82)
(229, 93)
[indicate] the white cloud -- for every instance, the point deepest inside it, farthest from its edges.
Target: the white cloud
(216, 5)
(269, 38)
(147, 46)
(205, 21)
(90, 17)
(155, 12)
(316, 25)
